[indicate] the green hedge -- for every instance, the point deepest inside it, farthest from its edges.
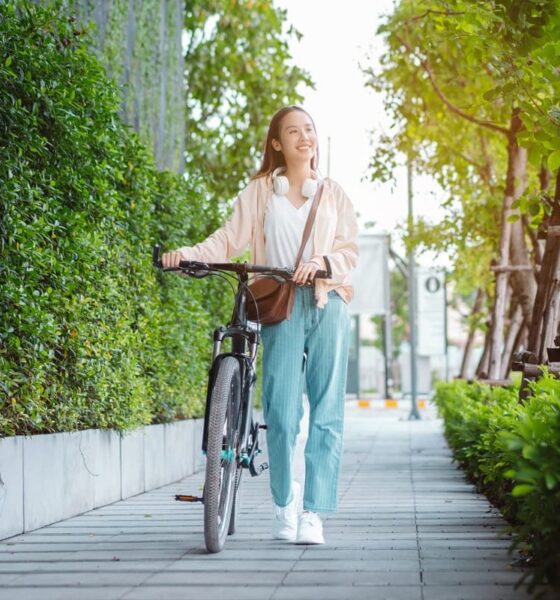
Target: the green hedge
(512, 452)
(90, 334)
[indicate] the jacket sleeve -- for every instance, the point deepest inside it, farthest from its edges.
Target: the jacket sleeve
(233, 238)
(344, 253)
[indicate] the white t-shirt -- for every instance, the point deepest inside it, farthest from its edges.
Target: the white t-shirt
(283, 230)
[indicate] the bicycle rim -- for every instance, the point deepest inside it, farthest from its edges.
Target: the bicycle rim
(221, 454)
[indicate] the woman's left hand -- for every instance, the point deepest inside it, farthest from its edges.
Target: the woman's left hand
(305, 273)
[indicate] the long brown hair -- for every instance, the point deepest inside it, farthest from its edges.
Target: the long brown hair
(272, 159)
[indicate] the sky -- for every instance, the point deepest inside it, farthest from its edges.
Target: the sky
(337, 38)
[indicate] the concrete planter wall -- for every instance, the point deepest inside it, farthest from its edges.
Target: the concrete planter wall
(47, 478)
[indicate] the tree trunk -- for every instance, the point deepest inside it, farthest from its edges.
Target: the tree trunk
(551, 317)
(518, 344)
(482, 368)
(549, 267)
(544, 179)
(514, 183)
(523, 283)
(537, 253)
(516, 324)
(472, 331)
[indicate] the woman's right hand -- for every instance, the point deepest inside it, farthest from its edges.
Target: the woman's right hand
(170, 260)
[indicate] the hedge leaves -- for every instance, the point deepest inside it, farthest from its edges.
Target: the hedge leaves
(90, 335)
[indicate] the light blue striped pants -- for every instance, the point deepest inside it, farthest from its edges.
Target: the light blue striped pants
(322, 336)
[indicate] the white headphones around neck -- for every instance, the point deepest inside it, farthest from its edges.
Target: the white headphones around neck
(282, 185)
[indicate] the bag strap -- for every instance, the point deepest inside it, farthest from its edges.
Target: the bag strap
(309, 222)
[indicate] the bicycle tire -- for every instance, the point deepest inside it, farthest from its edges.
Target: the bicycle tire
(221, 453)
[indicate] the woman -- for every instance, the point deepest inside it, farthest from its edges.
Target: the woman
(269, 215)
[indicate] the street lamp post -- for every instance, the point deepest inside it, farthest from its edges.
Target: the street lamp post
(414, 414)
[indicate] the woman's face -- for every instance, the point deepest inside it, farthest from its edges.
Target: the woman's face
(298, 139)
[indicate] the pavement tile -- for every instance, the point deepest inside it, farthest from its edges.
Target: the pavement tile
(63, 593)
(357, 565)
(225, 578)
(353, 578)
(326, 552)
(469, 564)
(504, 577)
(188, 564)
(479, 592)
(465, 544)
(81, 578)
(465, 554)
(198, 592)
(333, 592)
(11, 557)
(81, 566)
(373, 544)
(289, 552)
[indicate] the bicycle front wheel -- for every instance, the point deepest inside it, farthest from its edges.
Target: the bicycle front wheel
(221, 453)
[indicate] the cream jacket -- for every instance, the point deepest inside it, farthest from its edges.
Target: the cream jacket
(335, 235)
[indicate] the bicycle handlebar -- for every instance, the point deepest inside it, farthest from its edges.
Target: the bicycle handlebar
(201, 269)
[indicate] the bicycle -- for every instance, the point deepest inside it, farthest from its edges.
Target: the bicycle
(230, 435)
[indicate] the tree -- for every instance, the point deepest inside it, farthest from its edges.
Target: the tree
(238, 73)
(463, 92)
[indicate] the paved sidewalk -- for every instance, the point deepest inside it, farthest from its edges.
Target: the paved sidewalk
(409, 528)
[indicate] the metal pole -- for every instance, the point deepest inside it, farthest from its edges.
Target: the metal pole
(414, 414)
(445, 326)
(385, 359)
(387, 325)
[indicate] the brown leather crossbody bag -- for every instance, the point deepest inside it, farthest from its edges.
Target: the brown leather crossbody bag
(269, 300)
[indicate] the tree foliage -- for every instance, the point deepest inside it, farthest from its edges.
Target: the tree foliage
(466, 83)
(238, 73)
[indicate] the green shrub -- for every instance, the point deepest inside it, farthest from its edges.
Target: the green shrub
(471, 413)
(512, 452)
(90, 334)
(533, 449)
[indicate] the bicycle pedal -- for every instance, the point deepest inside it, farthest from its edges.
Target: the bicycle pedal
(255, 471)
(263, 426)
(188, 498)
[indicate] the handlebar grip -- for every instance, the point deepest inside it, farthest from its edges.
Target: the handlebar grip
(321, 274)
(155, 256)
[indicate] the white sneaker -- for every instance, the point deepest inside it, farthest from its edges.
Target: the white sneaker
(310, 529)
(285, 523)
